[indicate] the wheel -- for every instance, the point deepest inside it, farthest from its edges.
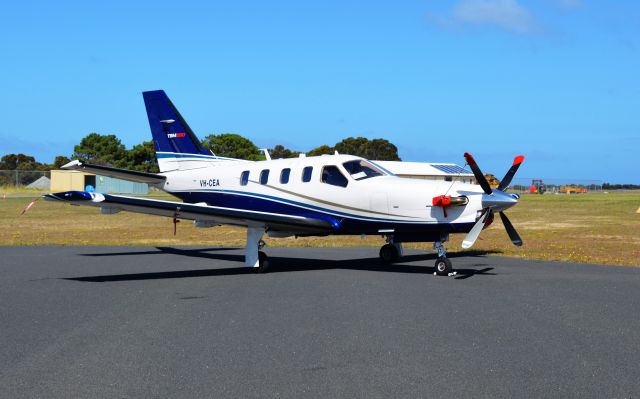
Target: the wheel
(443, 266)
(388, 253)
(263, 263)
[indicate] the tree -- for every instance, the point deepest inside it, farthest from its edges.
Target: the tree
(352, 146)
(279, 151)
(102, 150)
(233, 146)
(323, 149)
(379, 149)
(19, 161)
(59, 162)
(142, 157)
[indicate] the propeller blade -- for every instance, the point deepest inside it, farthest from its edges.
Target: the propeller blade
(482, 181)
(513, 234)
(471, 238)
(506, 180)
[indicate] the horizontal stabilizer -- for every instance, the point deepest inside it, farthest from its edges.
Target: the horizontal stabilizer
(124, 174)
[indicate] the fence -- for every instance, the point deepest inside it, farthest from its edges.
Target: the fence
(555, 185)
(25, 178)
(34, 179)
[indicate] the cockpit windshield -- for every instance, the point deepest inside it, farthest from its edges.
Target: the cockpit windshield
(360, 169)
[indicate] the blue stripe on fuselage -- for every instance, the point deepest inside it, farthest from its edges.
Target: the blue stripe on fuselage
(347, 223)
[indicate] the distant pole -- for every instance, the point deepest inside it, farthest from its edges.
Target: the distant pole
(16, 177)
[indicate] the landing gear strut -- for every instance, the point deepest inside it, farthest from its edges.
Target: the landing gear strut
(253, 257)
(390, 252)
(443, 264)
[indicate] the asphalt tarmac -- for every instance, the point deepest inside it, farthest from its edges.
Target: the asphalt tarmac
(325, 322)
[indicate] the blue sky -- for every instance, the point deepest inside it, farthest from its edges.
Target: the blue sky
(555, 80)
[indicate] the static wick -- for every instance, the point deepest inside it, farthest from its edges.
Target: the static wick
(29, 206)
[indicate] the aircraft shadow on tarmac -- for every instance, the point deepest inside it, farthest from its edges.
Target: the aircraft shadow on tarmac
(281, 264)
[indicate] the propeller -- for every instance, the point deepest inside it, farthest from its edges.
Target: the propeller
(482, 181)
(506, 180)
(513, 234)
(494, 200)
(472, 236)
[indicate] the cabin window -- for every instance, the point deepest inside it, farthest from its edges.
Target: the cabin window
(264, 176)
(284, 176)
(332, 175)
(361, 169)
(306, 174)
(244, 178)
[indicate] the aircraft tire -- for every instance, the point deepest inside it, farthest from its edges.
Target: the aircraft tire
(443, 266)
(388, 254)
(263, 263)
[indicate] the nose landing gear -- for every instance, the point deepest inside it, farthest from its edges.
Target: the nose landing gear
(443, 264)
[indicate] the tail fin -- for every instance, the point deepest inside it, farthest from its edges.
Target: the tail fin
(171, 134)
(170, 131)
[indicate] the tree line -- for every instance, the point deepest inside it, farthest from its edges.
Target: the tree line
(608, 186)
(108, 150)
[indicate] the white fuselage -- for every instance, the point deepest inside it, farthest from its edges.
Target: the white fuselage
(379, 204)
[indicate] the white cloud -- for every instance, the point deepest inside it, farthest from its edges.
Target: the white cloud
(506, 14)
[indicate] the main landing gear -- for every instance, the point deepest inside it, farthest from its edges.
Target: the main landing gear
(263, 263)
(390, 252)
(253, 257)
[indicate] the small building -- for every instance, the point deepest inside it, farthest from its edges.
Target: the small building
(75, 180)
(428, 171)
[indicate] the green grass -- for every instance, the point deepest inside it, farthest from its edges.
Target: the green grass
(19, 190)
(593, 228)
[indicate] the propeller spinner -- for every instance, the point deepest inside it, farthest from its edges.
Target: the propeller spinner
(494, 200)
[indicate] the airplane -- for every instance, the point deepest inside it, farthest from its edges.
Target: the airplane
(306, 196)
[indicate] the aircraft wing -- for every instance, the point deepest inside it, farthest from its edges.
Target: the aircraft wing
(201, 212)
(131, 175)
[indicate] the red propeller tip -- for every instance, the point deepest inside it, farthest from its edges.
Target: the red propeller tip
(518, 160)
(469, 159)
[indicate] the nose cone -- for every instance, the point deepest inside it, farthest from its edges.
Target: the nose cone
(499, 200)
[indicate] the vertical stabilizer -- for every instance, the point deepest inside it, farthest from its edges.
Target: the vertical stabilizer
(177, 147)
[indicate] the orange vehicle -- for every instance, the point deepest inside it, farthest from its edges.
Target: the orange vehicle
(572, 190)
(537, 187)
